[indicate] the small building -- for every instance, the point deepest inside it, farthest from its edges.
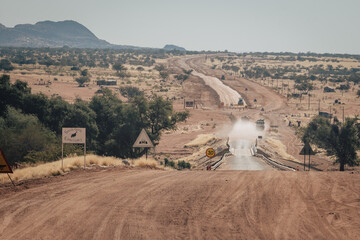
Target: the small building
(106, 82)
(325, 114)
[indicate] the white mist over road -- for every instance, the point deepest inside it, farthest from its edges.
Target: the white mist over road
(226, 94)
(241, 138)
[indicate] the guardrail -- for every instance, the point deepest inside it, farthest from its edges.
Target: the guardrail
(275, 164)
(255, 153)
(216, 164)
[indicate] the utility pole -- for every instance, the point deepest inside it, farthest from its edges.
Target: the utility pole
(319, 105)
(309, 101)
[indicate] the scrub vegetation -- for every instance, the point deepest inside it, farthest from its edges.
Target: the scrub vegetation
(30, 124)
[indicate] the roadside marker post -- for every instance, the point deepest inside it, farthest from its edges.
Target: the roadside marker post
(143, 141)
(74, 136)
(4, 166)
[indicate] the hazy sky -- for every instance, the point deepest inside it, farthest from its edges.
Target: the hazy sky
(236, 25)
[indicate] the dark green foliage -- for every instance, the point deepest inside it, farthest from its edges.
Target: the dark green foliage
(130, 92)
(182, 165)
(328, 89)
(23, 136)
(82, 80)
(77, 58)
(318, 131)
(358, 93)
(74, 68)
(304, 86)
(164, 75)
(6, 65)
(181, 77)
(111, 126)
(188, 72)
(85, 73)
(340, 140)
(344, 87)
(345, 142)
(179, 166)
(119, 67)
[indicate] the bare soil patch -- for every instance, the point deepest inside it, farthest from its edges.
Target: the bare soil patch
(118, 203)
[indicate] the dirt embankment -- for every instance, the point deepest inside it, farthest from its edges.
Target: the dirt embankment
(119, 203)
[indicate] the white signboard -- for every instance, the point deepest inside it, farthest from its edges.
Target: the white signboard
(74, 135)
(143, 141)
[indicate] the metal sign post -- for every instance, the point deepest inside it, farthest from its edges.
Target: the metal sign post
(306, 150)
(74, 136)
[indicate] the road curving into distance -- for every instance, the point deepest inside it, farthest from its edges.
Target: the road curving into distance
(227, 95)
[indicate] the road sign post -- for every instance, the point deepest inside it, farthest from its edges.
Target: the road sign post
(74, 136)
(143, 141)
(306, 150)
(210, 153)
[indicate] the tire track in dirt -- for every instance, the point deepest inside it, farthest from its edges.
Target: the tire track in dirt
(154, 204)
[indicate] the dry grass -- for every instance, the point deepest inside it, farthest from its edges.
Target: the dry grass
(201, 140)
(280, 149)
(72, 163)
(145, 163)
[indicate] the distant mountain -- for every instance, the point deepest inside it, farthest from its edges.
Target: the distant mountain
(52, 34)
(170, 47)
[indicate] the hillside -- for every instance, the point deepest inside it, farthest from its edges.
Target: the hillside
(170, 47)
(52, 34)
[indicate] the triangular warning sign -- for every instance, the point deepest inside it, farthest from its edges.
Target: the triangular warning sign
(4, 165)
(306, 150)
(143, 140)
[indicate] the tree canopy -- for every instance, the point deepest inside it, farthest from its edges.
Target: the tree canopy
(30, 124)
(341, 140)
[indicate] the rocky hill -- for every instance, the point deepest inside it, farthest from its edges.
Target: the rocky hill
(52, 34)
(170, 47)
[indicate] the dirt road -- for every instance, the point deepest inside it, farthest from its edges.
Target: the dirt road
(275, 110)
(242, 158)
(227, 95)
(153, 204)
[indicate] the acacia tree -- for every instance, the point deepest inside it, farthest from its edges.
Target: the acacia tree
(118, 67)
(345, 142)
(82, 80)
(341, 140)
(6, 65)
